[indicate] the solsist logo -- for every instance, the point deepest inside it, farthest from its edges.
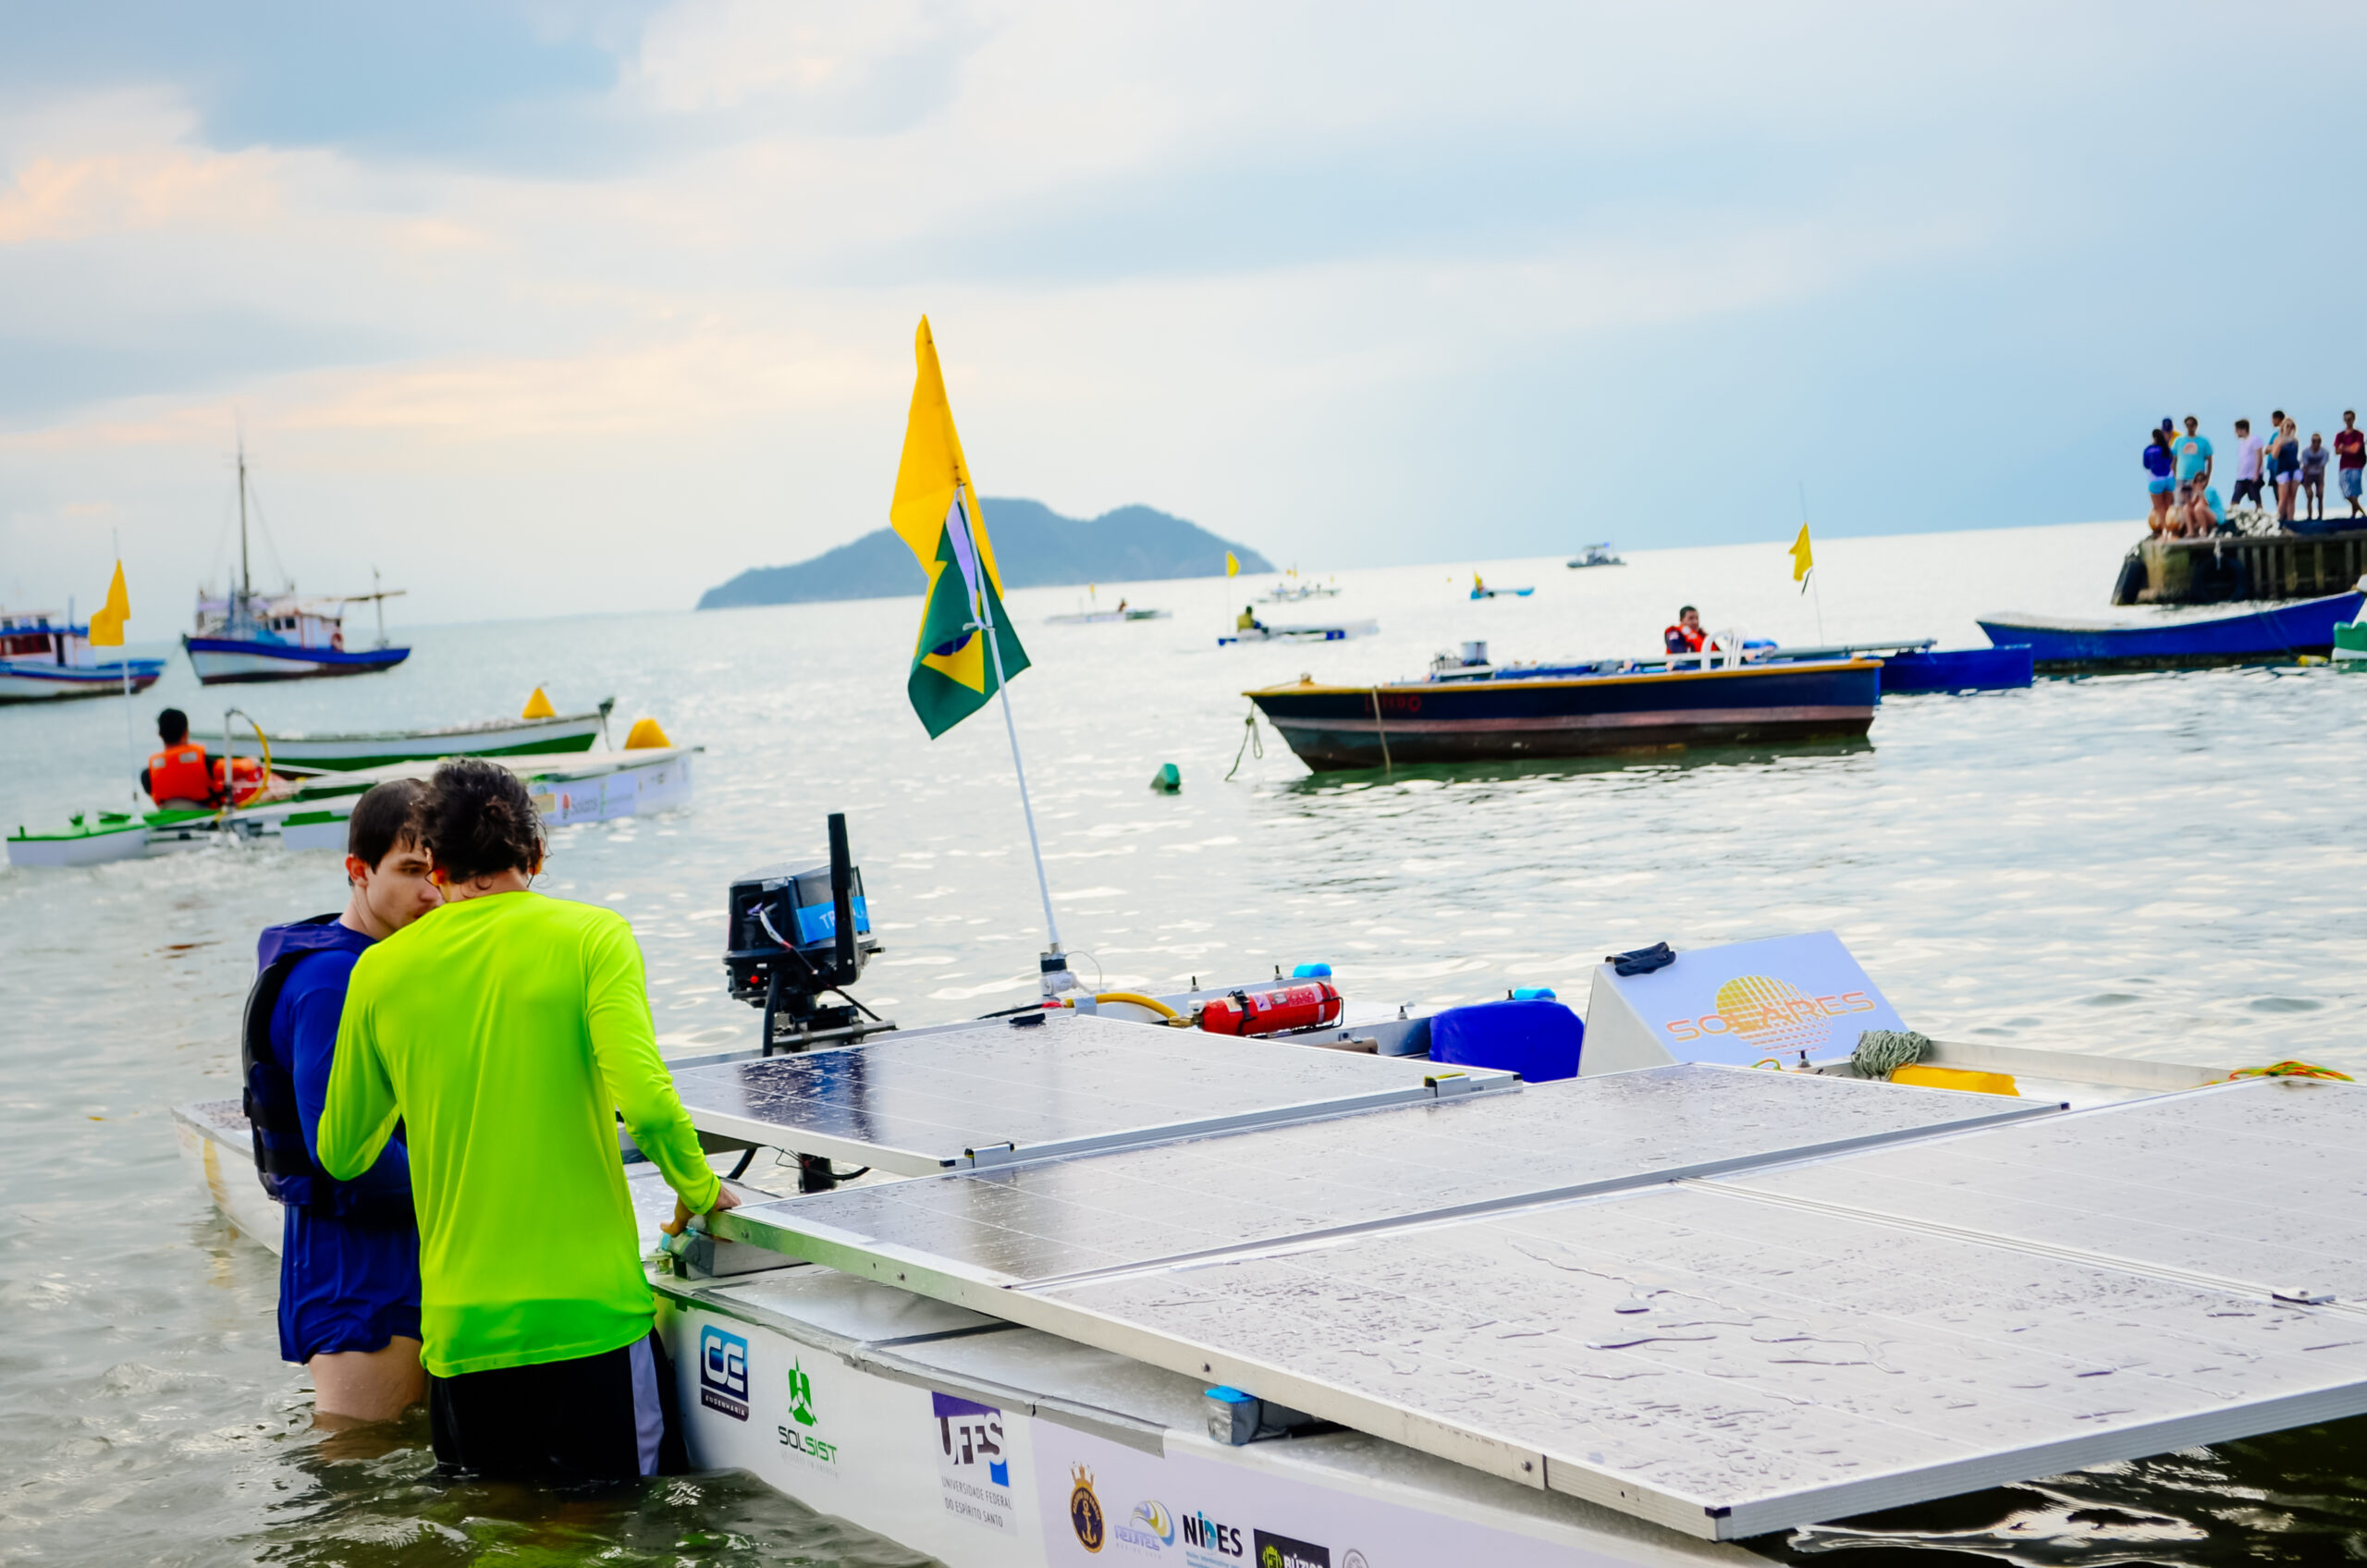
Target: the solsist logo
(723, 1372)
(801, 1410)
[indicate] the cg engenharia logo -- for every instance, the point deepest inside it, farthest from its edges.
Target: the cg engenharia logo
(723, 1372)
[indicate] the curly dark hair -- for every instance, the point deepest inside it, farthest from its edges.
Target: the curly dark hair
(477, 820)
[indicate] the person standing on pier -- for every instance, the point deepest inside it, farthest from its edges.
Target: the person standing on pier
(507, 1031)
(2284, 455)
(2351, 458)
(2249, 448)
(2192, 451)
(2313, 475)
(2158, 483)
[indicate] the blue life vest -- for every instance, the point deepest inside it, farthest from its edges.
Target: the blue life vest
(283, 1160)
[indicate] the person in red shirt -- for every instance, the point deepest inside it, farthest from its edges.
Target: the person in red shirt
(1687, 636)
(2350, 457)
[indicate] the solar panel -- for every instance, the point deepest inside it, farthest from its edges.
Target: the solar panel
(1054, 1218)
(2261, 1185)
(1727, 1353)
(943, 1100)
(1726, 1365)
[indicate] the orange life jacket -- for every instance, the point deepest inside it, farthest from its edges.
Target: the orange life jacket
(178, 773)
(240, 778)
(1681, 640)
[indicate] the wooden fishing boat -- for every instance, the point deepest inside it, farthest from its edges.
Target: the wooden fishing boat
(243, 637)
(44, 659)
(1486, 714)
(2268, 636)
(1913, 667)
(492, 738)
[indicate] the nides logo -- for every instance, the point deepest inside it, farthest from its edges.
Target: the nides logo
(723, 1372)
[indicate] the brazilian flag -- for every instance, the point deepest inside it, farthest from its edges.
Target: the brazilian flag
(936, 513)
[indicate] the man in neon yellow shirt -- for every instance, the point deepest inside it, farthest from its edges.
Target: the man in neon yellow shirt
(506, 1031)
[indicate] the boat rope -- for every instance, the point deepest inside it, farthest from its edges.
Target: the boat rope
(1249, 741)
(1882, 1052)
(1385, 770)
(2287, 1070)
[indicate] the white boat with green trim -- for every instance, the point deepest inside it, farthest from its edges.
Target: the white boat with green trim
(311, 815)
(491, 738)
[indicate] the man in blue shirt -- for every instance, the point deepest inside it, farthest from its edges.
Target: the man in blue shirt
(2192, 451)
(348, 1268)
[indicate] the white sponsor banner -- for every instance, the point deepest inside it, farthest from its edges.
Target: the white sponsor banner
(1103, 1504)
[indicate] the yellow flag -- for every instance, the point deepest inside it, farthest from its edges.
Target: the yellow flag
(106, 622)
(1232, 564)
(1803, 560)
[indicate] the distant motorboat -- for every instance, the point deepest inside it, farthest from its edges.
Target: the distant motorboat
(1291, 591)
(243, 637)
(1098, 617)
(2262, 636)
(1596, 555)
(1337, 631)
(44, 659)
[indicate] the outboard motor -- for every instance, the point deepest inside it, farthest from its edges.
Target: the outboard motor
(796, 935)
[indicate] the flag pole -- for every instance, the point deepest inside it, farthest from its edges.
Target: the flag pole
(1054, 962)
(123, 662)
(1818, 593)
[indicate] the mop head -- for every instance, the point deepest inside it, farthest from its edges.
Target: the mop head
(1882, 1052)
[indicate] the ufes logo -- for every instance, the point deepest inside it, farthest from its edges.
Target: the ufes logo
(723, 1372)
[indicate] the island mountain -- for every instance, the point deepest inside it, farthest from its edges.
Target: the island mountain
(1035, 548)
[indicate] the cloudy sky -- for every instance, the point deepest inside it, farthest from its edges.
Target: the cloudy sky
(546, 308)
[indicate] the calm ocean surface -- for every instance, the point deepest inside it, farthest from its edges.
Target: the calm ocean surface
(2154, 865)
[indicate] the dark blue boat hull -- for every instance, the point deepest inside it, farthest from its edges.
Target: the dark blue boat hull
(1339, 727)
(1959, 669)
(2265, 636)
(233, 661)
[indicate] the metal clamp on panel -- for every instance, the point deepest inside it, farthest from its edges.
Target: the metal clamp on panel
(1235, 1418)
(992, 1155)
(1444, 1085)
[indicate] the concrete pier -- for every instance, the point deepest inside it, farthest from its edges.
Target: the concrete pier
(2213, 571)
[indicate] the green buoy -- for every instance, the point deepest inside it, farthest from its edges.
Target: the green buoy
(1167, 781)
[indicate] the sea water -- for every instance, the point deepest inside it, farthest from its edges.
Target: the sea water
(2164, 865)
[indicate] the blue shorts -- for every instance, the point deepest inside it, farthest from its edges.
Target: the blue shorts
(2351, 483)
(2159, 486)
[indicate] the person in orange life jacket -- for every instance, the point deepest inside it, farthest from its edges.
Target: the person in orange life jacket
(348, 1271)
(1687, 636)
(179, 775)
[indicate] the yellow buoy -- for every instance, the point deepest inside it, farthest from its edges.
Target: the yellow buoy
(539, 706)
(645, 736)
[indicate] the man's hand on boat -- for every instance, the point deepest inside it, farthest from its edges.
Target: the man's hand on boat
(723, 1198)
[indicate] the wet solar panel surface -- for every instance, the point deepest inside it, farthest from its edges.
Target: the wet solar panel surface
(917, 1105)
(1065, 1216)
(2261, 1184)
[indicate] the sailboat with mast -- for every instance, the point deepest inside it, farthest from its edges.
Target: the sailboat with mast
(244, 636)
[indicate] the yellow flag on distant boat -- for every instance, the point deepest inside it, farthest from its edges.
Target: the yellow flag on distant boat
(936, 513)
(106, 622)
(1803, 560)
(1232, 564)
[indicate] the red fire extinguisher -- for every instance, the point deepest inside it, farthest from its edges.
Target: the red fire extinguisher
(1309, 1004)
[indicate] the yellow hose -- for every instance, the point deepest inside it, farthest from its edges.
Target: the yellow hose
(1136, 998)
